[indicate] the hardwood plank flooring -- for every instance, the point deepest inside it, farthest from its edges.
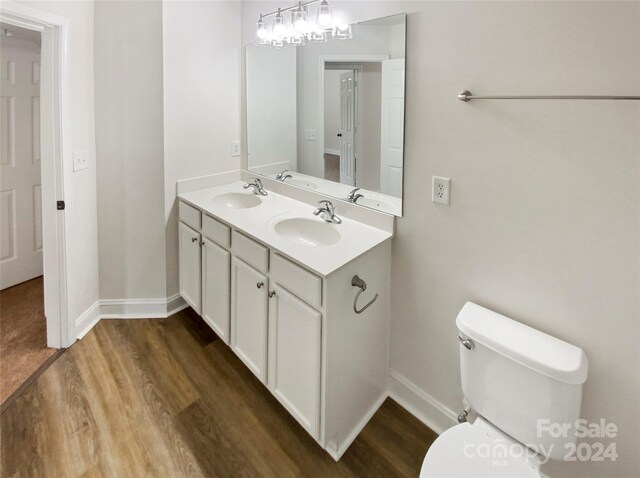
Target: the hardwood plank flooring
(23, 336)
(167, 398)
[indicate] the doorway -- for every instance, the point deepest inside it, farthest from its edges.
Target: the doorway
(23, 328)
(36, 287)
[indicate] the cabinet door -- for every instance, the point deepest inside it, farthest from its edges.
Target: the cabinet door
(216, 284)
(189, 257)
(294, 357)
(249, 313)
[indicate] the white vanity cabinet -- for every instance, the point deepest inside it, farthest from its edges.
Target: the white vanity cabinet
(294, 356)
(190, 261)
(249, 316)
(216, 287)
(294, 328)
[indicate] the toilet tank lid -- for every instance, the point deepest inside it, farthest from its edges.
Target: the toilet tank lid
(527, 346)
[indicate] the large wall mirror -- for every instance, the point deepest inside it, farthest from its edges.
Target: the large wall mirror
(330, 116)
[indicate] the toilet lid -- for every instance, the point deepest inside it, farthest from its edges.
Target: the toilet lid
(478, 450)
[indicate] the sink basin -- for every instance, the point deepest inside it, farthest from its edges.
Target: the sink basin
(308, 232)
(237, 200)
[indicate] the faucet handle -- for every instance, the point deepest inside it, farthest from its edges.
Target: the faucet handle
(328, 204)
(352, 194)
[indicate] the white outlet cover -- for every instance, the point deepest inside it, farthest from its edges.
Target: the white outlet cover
(80, 160)
(235, 148)
(441, 190)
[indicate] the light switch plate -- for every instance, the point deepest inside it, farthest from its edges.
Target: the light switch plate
(235, 148)
(310, 134)
(441, 190)
(80, 160)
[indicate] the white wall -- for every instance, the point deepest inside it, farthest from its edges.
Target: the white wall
(129, 143)
(201, 54)
(82, 265)
(544, 221)
(271, 107)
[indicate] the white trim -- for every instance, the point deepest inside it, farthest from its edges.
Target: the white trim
(344, 446)
(56, 162)
(87, 320)
(127, 309)
(335, 152)
(141, 308)
(202, 182)
(420, 404)
(271, 169)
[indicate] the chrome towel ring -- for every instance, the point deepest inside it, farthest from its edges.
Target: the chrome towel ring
(362, 285)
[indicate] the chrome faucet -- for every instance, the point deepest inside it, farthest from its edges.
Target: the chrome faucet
(257, 187)
(281, 176)
(327, 212)
(353, 197)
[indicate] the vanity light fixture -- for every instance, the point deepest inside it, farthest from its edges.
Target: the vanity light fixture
(300, 28)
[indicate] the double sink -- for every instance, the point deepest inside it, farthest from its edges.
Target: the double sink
(299, 230)
(290, 226)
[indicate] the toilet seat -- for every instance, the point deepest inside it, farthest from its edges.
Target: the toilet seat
(478, 450)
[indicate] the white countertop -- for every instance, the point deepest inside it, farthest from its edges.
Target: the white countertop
(258, 222)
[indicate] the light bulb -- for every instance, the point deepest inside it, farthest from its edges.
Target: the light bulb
(279, 27)
(324, 14)
(261, 32)
(299, 20)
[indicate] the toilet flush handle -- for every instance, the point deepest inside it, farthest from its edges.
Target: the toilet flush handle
(468, 343)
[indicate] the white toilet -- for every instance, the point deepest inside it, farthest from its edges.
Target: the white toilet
(512, 377)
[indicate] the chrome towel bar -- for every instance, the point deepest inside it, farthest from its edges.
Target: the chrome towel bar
(467, 96)
(362, 285)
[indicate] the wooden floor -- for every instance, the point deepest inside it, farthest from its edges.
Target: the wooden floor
(166, 398)
(23, 335)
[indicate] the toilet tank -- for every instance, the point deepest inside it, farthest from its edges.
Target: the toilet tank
(523, 381)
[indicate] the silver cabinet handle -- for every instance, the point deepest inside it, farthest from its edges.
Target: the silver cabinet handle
(259, 285)
(194, 239)
(272, 293)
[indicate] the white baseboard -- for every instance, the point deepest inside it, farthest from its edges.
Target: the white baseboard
(420, 404)
(335, 152)
(128, 309)
(141, 308)
(87, 320)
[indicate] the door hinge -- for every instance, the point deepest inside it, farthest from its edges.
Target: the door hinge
(60, 205)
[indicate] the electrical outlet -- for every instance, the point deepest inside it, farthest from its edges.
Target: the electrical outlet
(440, 190)
(80, 160)
(235, 148)
(310, 134)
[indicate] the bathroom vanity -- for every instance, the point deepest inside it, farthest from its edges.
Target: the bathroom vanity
(274, 282)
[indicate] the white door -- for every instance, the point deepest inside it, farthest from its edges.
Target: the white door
(189, 252)
(249, 316)
(216, 283)
(294, 357)
(392, 127)
(347, 127)
(20, 186)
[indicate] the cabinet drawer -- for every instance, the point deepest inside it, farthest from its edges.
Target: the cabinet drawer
(189, 215)
(296, 279)
(216, 230)
(250, 251)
